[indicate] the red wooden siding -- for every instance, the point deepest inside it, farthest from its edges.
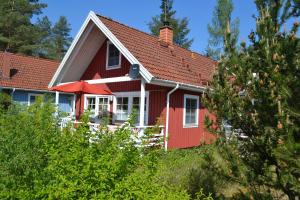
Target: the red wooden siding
(157, 105)
(180, 137)
(97, 68)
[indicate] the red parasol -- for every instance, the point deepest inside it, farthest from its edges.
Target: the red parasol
(82, 87)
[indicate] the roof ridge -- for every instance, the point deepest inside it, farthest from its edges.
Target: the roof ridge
(33, 57)
(148, 34)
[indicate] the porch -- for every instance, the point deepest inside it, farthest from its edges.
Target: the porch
(147, 136)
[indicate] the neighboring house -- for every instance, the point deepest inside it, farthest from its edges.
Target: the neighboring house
(142, 71)
(25, 78)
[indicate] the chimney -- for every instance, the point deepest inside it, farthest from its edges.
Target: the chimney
(6, 66)
(166, 34)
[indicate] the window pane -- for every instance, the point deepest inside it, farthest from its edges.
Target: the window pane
(122, 109)
(188, 119)
(125, 100)
(188, 103)
(125, 107)
(91, 103)
(136, 100)
(119, 100)
(191, 111)
(193, 103)
(113, 55)
(32, 99)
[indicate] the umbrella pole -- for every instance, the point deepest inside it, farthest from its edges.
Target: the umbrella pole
(80, 106)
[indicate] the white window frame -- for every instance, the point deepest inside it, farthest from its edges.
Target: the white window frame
(86, 96)
(107, 55)
(188, 96)
(33, 94)
(130, 96)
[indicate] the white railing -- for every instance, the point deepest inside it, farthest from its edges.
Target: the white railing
(139, 132)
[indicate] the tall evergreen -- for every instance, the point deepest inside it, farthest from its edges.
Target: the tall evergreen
(256, 90)
(17, 32)
(220, 23)
(60, 38)
(179, 25)
(45, 28)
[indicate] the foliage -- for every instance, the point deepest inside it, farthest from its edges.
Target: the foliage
(16, 22)
(23, 149)
(203, 170)
(39, 161)
(180, 26)
(61, 39)
(256, 91)
(221, 21)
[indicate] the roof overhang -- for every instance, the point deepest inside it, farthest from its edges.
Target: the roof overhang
(182, 86)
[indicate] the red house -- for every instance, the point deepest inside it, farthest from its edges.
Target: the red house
(141, 71)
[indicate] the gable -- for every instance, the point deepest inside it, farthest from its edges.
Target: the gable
(83, 49)
(97, 67)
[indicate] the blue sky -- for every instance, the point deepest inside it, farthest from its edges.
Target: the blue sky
(137, 13)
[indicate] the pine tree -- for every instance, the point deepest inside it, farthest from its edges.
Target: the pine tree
(179, 25)
(256, 90)
(221, 17)
(45, 28)
(60, 38)
(17, 32)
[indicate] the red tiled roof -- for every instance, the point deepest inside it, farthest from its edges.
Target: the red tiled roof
(172, 63)
(32, 73)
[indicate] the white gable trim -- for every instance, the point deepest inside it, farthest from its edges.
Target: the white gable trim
(69, 52)
(95, 19)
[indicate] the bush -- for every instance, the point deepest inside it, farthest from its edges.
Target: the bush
(39, 161)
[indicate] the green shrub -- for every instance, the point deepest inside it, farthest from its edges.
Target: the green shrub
(39, 161)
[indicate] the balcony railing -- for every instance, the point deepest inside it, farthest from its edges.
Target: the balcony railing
(149, 136)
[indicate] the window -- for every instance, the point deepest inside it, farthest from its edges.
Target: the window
(136, 107)
(91, 103)
(103, 107)
(126, 103)
(98, 105)
(191, 111)
(122, 112)
(113, 57)
(33, 97)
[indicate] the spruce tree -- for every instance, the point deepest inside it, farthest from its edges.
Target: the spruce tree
(221, 17)
(17, 32)
(256, 89)
(45, 28)
(60, 38)
(179, 25)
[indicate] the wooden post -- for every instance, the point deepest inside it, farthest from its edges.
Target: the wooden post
(142, 108)
(57, 101)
